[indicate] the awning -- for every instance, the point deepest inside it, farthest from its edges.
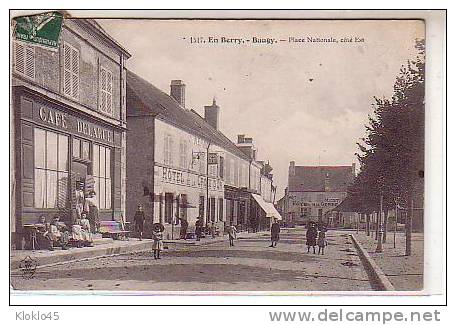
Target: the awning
(268, 208)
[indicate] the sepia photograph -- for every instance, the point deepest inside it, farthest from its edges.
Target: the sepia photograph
(195, 155)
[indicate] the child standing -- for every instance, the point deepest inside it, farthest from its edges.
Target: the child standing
(157, 236)
(321, 242)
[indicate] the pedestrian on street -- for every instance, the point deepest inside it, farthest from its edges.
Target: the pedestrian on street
(232, 234)
(311, 237)
(198, 228)
(139, 221)
(321, 242)
(275, 230)
(157, 236)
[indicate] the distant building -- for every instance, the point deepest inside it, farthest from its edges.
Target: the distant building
(314, 191)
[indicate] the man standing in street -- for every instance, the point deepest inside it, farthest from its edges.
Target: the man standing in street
(232, 234)
(275, 230)
(139, 221)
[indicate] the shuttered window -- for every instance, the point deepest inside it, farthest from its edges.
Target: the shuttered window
(105, 91)
(70, 71)
(168, 150)
(24, 59)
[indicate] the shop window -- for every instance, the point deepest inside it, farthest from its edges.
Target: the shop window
(70, 71)
(101, 170)
(105, 91)
(51, 169)
(24, 59)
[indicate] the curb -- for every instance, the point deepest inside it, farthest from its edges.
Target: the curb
(76, 254)
(375, 273)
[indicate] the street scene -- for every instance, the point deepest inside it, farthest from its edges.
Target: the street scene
(159, 155)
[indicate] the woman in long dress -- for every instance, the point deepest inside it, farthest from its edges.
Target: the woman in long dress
(311, 237)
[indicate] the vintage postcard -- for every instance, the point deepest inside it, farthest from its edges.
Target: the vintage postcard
(255, 155)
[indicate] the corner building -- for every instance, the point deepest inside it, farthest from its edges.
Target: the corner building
(69, 122)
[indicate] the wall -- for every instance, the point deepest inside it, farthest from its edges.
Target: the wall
(313, 201)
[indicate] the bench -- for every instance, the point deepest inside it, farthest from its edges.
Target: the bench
(113, 229)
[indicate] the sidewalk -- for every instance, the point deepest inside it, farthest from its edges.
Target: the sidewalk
(404, 272)
(107, 247)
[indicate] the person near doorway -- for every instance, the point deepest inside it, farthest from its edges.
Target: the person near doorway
(213, 229)
(199, 228)
(232, 234)
(139, 221)
(92, 214)
(275, 230)
(184, 227)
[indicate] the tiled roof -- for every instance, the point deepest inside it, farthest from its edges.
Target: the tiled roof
(164, 106)
(313, 178)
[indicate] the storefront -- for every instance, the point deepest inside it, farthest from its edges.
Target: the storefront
(60, 153)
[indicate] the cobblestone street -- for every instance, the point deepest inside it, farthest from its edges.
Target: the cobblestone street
(249, 265)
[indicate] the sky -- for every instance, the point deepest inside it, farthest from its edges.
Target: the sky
(299, 101)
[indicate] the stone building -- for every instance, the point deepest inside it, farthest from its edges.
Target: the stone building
(180, 166)
(314, 191)
(69, 121)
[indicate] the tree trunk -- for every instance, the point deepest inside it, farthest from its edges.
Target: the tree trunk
(385, 225)
(377, 229)
(368, 225)
(408, 230)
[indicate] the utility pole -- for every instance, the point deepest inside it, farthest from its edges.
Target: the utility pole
(379, 248)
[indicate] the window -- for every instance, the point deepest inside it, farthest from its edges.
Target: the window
(102, 176)
(51, 169)
(232, 171)
(220, 212)
(105, 91)
(169, 198)
(221, 167)
(212, 208)
(168, 150)
(183, 154)
(70, 71)
(81, 149)
(24, 59)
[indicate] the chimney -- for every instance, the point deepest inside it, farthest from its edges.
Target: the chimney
(178, 91)
(211, 114)
(291, 169)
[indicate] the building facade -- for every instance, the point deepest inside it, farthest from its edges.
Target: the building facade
(69, 124)
(182, 166)
(314, 191)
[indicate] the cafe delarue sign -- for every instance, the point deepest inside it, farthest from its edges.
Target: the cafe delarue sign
(42, 29)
